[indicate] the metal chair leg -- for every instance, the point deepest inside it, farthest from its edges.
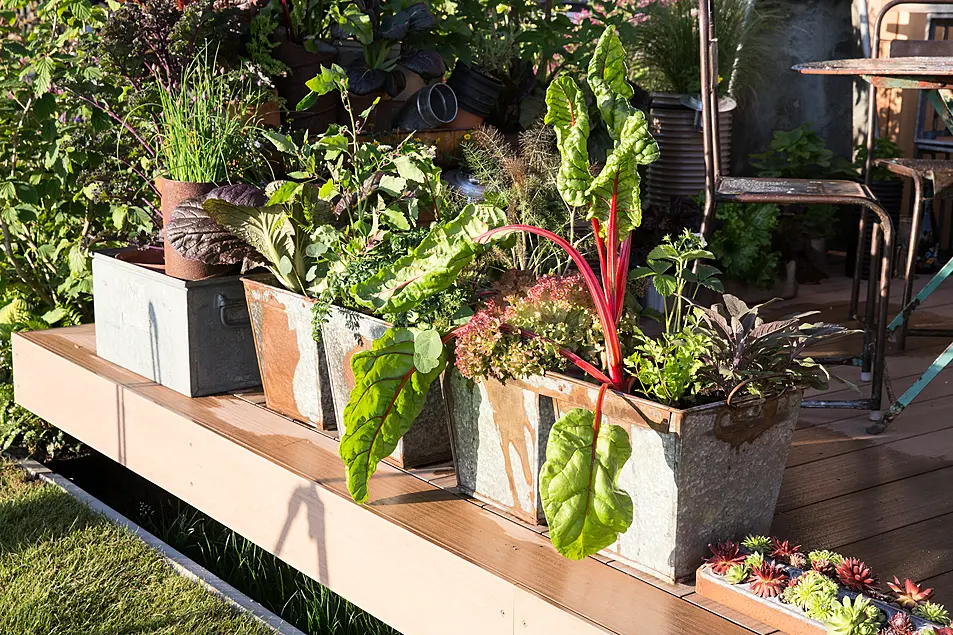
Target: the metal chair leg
(870, 308)
(879, 352)
(913, 391)
(858, 267)
(912, 246)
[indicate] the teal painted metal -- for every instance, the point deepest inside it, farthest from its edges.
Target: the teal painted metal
(907, 398)
(942, 102)
(925, 292)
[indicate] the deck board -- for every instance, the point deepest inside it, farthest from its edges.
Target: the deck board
(887, 499)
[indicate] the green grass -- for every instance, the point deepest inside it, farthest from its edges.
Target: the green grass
(66, 570)
(297, 598)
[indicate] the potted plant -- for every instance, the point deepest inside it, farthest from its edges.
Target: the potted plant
(666, 58)
(356, 207)
(393, 44)
(478, 83)
(801, 153)
(743, 244)
(204, 138)
(291, 41)
(747, 403)
(816, 592)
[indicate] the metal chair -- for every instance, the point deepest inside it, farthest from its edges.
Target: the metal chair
(784, 191)
(931, 178)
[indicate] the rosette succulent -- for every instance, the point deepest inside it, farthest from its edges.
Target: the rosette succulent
(813, 591)
(759, 544)
(768, 580)
(933, 612)
(724, 556)
(854, 617)
(856, 576)
(909, 594)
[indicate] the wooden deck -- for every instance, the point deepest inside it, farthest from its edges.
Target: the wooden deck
(426, 560)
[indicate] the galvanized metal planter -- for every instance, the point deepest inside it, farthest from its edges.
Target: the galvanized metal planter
(348, 332)
(695, 475)
(294, 370)
(191, 336)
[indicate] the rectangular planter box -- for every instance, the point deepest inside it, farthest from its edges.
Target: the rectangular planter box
(348, 332)
(695, 475)
(294, 371)
(193, 337)
(771, 611)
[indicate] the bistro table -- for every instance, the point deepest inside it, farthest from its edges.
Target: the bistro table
(934, 75)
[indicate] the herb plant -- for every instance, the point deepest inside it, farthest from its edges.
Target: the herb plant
(742, 242)
(205, 133)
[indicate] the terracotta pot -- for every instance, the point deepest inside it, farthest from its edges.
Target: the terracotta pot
(696, 475)
(305, 65)
(465, 120)
(172, 193)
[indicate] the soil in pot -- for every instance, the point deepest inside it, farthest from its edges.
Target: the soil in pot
(305, 65)
(477, 95)
(172, 193)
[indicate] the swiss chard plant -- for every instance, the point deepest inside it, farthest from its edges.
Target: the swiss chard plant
(585, 507)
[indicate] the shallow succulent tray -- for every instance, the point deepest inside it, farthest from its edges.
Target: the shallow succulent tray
(772, 611)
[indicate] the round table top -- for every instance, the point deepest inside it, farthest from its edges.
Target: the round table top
(900, 67)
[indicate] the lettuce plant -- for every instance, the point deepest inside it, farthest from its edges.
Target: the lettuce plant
(585, 507)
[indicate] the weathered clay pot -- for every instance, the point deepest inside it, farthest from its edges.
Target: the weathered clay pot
(172, 193)
(294, 372)
(348, 332)
(695, 475)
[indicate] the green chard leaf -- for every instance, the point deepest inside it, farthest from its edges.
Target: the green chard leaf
(585, 508)
(567, 112)
(618, 182)
(432, 266)
(389, 393)
(608, 83)
(269, 231)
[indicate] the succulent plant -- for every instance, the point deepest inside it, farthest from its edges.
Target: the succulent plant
(754, 560)
(933, 612)
(824, 561)
(856, 576)
(783, 550)
(736, 574)
(854, 617)
(899, 624)
(768, 580)
(808, 585)
(908, 594)
(820, 607)
(797, 560)
(724, 556)
(757, 544)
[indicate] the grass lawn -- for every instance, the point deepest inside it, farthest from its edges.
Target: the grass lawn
(68, 571)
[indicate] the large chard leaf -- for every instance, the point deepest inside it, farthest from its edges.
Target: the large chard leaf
(585, 508)
(608, 82)
(432, 266)
(269, 231)
(388, 395)
(566, 111)
(618, 182)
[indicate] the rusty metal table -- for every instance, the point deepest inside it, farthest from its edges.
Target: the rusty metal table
(931, 74)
